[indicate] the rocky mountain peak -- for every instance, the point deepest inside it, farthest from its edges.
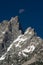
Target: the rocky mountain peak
(17, 48)
(15, 19)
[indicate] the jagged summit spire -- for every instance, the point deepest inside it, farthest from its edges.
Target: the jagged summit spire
(14, 19)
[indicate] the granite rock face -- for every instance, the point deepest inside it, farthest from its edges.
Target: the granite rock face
(17, 48)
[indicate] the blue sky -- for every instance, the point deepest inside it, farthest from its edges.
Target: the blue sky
(30, 13)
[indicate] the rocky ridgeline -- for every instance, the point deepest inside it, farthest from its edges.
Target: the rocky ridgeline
(17, 48)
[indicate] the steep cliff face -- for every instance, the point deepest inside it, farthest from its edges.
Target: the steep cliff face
(17, 48)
